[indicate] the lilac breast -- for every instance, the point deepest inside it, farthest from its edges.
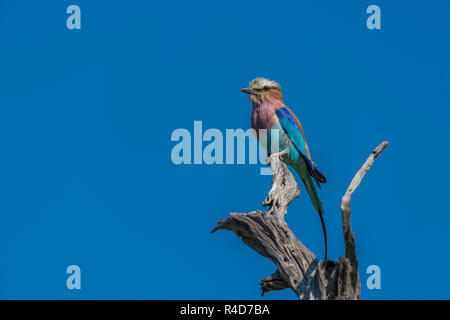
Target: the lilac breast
(264, 117)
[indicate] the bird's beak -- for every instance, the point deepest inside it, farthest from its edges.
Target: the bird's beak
(249, 90)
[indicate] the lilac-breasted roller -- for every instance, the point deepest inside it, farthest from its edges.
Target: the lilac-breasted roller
(270, 114)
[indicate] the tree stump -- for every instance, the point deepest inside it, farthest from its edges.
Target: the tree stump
(297, 267)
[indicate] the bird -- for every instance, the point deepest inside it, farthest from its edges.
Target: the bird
(271, 115)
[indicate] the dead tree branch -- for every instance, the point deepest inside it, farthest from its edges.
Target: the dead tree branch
(297, 267)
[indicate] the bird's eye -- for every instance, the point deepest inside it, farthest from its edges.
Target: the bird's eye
(266, 88)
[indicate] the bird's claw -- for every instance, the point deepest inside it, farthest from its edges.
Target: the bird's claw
(279, 154)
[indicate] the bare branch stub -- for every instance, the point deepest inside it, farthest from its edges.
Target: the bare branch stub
(349, 237)
(297, 267)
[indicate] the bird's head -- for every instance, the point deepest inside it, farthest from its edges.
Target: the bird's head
(262, 89)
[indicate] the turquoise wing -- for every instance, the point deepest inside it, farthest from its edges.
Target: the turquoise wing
(290, 127)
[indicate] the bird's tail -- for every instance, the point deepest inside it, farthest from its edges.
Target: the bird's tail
(312, 191)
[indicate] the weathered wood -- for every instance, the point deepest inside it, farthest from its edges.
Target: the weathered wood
(297, 267)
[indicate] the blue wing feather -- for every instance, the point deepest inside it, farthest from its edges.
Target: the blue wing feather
(288, 124)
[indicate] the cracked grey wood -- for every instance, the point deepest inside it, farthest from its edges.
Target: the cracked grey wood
(297, 267)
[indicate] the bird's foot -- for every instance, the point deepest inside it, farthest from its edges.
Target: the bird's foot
(279, 154)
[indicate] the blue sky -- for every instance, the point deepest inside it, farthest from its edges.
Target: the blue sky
(86, 118)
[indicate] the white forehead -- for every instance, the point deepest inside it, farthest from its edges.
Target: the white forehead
(260, 83)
